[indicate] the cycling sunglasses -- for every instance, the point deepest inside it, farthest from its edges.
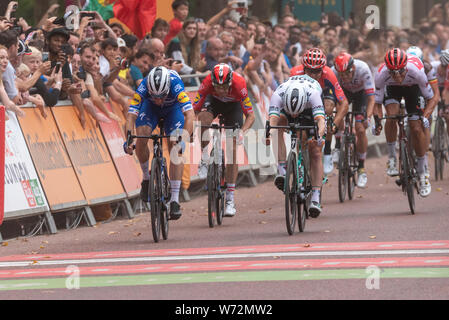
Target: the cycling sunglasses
(398, 72)
(221, 86)
(313, 71)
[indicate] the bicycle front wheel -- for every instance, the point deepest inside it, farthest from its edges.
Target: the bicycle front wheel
(221, 169)
(408, 177)
(342, 171)
(166, 198)
(291, 194)
(211, 195)
(155, 191)
(352, 168)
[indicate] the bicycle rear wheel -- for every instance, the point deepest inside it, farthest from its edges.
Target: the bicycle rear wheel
(291, 195)
(155, 191)
(440, 147)
(408, 176)
(343, 171)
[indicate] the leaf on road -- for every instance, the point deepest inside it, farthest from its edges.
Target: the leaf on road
(327, 231)
(4, 244)
(112, 232)
(137, 234)
(372, 237)
(439, 189)
(262, 211)
(306, 245)
(262, 222)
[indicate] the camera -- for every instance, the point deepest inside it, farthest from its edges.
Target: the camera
(241, 4)
(81, 75)
(58, 67)
(87, 14)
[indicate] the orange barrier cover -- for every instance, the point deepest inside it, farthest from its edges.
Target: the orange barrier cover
(89, 155)
(50, 158)
(126, 167)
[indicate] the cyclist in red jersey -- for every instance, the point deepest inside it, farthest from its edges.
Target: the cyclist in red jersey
(224, 92)
(314, 65)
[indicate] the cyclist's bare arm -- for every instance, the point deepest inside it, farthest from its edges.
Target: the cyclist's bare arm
(432, 103)
(342, 110)
(370, 107)
(249, 121)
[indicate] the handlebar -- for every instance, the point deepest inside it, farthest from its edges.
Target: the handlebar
(292, 127)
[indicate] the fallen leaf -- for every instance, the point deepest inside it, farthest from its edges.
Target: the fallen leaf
(112, 232)
(262, 211)
(327, 231)
(45, 242)
(34, 262)
(439, 189)
(306, 245)
(42, 247)
(262, 222)
(4, 244)
(25, 240)
(360, 197)
(138, 234)
(372, 237)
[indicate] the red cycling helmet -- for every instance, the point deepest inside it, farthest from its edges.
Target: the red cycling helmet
(222, 75)
(314, 59)
(344, 62)
(396, 59)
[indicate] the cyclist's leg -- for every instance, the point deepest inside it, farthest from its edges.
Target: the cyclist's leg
(419, 139)
(329, 106)
(145, 122)
(359, 109)
(316, 171)
(281, 153)
(232, 115)
(392, 102)
(206, 116)
(174, 121)
(282, 150)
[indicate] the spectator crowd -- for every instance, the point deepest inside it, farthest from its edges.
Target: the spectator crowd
(46, 63)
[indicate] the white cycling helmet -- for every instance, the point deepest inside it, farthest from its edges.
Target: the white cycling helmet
(295, 98)
(417, 52)
(444, 57)
(158, 82)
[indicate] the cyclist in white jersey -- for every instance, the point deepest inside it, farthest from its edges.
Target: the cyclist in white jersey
(432, 78)
(403, 76)
(357, 81)
(299, 100)
(444, 85)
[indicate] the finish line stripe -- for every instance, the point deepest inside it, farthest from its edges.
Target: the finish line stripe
(435, 244)
(232, 266)
(158, 279)
(223, 256)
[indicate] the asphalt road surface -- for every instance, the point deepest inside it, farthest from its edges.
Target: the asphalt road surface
(368, 248)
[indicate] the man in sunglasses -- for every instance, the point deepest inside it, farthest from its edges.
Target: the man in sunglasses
(224, 92)
(403, 77)
(357, 82)
(314, 65)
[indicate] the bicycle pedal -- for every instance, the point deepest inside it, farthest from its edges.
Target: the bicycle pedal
(398, 182)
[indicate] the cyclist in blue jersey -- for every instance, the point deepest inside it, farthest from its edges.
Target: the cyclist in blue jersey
(160, 95)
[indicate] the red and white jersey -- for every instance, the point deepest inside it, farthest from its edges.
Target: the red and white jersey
(416, 75)
(237, 93)
(363, 79)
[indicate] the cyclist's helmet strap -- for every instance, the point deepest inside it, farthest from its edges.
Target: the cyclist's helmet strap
(159, 82)
(314, 59)
(396, 59)
(344, 62)
(222, 75)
